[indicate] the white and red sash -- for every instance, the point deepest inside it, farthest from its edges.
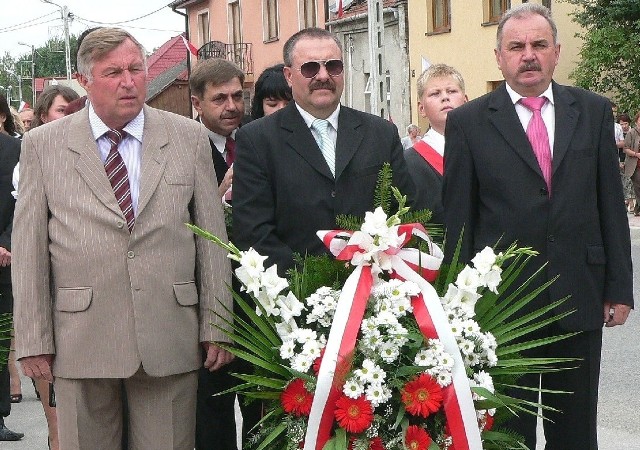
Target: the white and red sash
(431, 156)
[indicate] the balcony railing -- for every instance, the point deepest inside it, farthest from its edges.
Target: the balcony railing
(238, 53)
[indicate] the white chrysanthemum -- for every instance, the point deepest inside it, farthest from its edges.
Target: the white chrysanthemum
(287, 349)
(311, 349)
(377, 394)
(389, 352)
(424, 358)
(353, 388)
(457, 327)
(468, 279)
(304, 335)
(301, 363)
(444, 379)
(378, 375)
(467, 346)
(272, 283)
(387, 318)
(370, 326)
(484, 260)
(364, 373)
(289, 306)
(470, 327)
(402, 306)
(471, 359)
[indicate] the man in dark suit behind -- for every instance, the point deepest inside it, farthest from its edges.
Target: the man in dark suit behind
(285, 187)
(9, 155)
(217, 96)
(495, 190)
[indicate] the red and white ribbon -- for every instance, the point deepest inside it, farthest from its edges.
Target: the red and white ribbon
(412, 265)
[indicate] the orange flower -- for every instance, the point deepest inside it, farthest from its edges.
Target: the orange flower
(354, 415)
(417, 438)
(296, 399)
(422, 396)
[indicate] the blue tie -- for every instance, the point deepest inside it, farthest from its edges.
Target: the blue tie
(325, 143)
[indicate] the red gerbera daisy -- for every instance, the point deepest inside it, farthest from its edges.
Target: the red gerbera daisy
(417, 438)
(422, 396)
(354, 415)
(296, 399)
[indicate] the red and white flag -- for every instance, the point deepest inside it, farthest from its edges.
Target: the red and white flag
(340, 9)
(192, 48)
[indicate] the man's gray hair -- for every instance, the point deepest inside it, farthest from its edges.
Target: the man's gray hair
(213, 71)
(310, 33)
(98, 43)
(412, 127)
(526, 10)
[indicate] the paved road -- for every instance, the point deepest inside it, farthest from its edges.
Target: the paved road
(619, 410)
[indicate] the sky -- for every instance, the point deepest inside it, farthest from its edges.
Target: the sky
(34, 22)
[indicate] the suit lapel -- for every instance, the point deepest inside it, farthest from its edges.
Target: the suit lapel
(503, 116)
(154, 159)
(566, 122)
(88, 164)
(349, 138)
(300, 139)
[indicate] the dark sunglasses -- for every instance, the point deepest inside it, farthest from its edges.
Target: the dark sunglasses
(311, 68)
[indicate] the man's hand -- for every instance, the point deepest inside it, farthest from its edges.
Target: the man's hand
(38, 367)
(615, 314)
(226, 182)
(5, 257)
(216, 356)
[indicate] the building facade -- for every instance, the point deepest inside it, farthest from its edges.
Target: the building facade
(462, 33)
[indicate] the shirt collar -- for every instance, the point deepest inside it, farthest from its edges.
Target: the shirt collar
(308, 118)
(134, 128)
(515, 97)
(218, 140)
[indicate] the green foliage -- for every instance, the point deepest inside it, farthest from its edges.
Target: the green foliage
(609, 62)
(313, 272)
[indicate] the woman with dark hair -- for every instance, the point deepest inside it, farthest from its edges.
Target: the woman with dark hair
(271, 93)
(50, 106)
(7, 125)
(52, 103)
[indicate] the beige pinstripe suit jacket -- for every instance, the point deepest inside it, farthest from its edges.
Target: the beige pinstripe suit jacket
(102, 300)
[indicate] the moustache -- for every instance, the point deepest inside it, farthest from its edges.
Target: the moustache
(322, 85)
(531, 66)
(231, 116)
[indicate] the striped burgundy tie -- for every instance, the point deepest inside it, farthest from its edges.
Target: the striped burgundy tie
(118, 176)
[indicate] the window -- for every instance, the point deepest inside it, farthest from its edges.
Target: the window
(270, 23)
(493, 9)
(203, 28)
(547, 3)
(235, 32)
(308, 16)
(438, 16)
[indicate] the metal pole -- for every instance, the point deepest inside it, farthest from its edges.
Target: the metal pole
(67, 47)
(33, 75)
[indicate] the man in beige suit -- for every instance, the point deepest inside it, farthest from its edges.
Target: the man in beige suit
(108, 301)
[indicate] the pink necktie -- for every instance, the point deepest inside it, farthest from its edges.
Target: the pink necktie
(538, 136)
(118, 176)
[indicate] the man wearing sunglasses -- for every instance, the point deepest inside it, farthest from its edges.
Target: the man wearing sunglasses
(298, 168)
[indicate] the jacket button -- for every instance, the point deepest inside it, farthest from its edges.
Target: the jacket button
(551, 238)
(120, 224)
(130, 254)
(333, 194)
(544, 192)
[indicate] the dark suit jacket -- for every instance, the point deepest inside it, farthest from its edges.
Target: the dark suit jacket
(428, 184)
(493, 187)
(219, 164)
(283, 190)
(9, 155)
